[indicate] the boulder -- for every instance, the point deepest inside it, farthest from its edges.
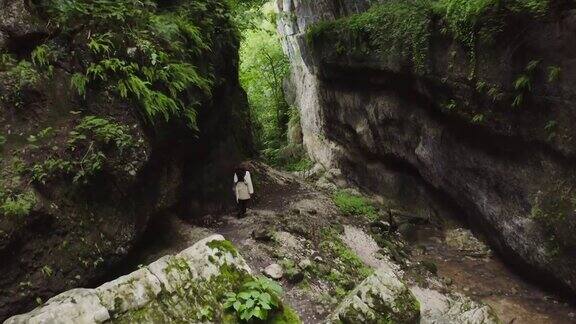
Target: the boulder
(439, 308)
(381, 298)
(464, 241)
(163, 291)
(274, 271)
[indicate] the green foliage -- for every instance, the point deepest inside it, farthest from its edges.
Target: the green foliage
(103, 131)
(394, 28)
(79, 82)
(22, 75)
(246, 14)
(224, 246)
(86, 147)
(255, 299)
(348, 270)
(401, 28)
(47, 271)
(263, 68)
(475, 22)
(478, 118)
(144, 53)
(553, 73)
(354, 205)
(551, 128)
(300, 165)
(43, 56)
(523, 84)
(17, 205)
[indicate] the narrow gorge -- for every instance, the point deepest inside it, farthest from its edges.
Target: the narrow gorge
(413, 161)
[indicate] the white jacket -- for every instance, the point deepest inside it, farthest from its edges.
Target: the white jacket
(244, 189)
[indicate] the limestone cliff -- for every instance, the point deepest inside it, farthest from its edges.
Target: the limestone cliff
(448, 121)
(111, 113)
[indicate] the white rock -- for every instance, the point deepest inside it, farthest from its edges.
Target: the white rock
(438, 308)
(274, 271)
(305, 264)
(76, 306)
(130, 291)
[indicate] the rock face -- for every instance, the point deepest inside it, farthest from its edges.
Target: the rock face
(435, 140)
(165, 291)
(82, 169)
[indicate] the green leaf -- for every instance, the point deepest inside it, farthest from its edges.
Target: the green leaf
(244, 295)
(260, 313)
(250, 303)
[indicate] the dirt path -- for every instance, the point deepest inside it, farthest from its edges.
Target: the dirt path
(298, 214)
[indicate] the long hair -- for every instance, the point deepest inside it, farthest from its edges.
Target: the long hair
(240, 173)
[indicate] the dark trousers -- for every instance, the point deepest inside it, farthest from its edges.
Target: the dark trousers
(242, 205)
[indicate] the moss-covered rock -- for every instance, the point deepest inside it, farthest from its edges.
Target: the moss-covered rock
(183, 288)
(381, 298)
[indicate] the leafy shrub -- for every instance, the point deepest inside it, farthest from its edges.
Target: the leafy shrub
(354, 205)
(18, 205)
(88, 144)
(255, 300)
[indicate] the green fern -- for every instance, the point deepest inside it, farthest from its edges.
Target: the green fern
(43, 56)
(553, 73)
(532, 65)
(518, 100)
(161, 69)
(79, 82)
(523, 83)
(478, 118)
(101, 44)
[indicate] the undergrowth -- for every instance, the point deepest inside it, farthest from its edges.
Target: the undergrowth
(347, 271)
(17, 205)
(140, 52)
(87, 148)
(394, 28)
(402, 29)
(354, 205)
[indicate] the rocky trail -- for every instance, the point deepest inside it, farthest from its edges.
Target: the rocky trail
(289, 234)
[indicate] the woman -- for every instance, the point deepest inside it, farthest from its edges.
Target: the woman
(243, 189)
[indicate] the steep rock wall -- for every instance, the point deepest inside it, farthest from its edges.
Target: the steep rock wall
(82, 174)
(434, 136)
